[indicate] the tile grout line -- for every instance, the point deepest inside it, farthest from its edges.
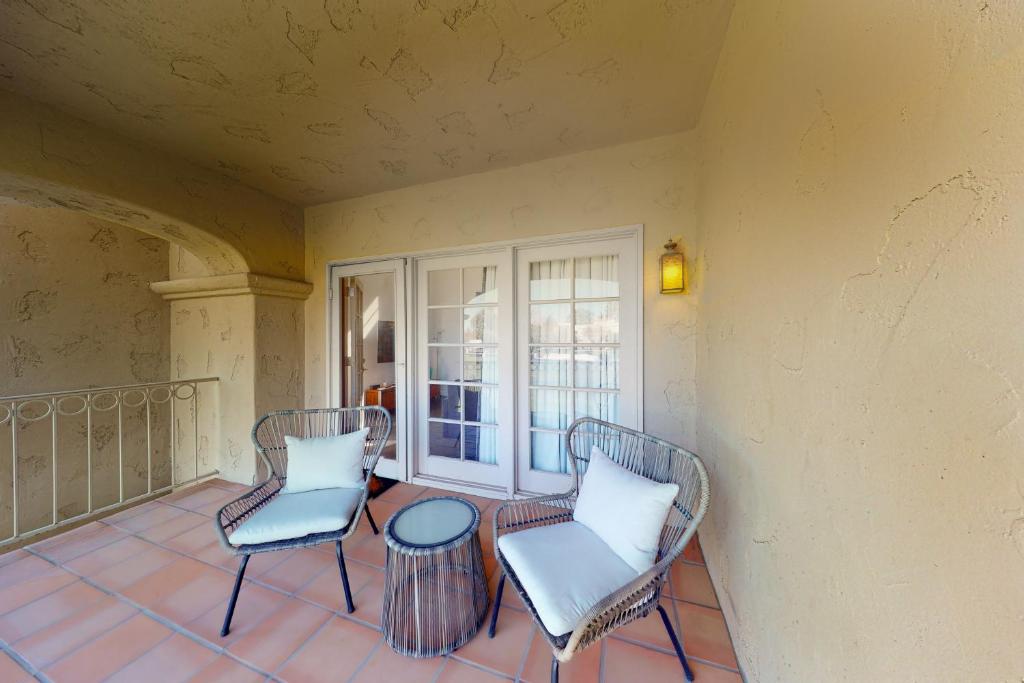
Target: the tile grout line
(444, 663)
(22, 662)
(526, 654)
(366, 659)
(479, 667)
(140, 655)
(665, 651)
(283, 665)
(75, 557)
(728, 631)
(174, 627)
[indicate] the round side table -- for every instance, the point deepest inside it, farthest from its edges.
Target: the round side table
(435, 591)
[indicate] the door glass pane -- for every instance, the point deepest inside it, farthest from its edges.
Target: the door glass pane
(480, 285)
(598, 405)
(597, 367)
(481, 405)
(481, 364)
(444, 439)
(481, 444)
(549, 409)
(443, 287)
(462, 334)
(445, 363)
(597, 277)
(549, 323)
(547, 452)
(444, 325)
(549, 365)
(597, 322)
(480, 325)
(550, 280)
(444, 401)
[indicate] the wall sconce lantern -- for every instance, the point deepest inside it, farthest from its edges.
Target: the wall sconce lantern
(673, 270)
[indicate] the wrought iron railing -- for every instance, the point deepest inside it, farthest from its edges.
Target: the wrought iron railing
(69, 455)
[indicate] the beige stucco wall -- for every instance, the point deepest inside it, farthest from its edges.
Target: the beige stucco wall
(650, 182)
(859, 358)
(75, 305)
(76, 311)
(252, 343)
(49, 158)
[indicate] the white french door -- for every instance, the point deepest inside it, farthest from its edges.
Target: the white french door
(578, 311)
(464, 368)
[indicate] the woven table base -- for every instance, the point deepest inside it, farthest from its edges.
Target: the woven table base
(435, 600)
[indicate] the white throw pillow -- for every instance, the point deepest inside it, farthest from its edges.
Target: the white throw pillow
(625, 510)
(325, 462)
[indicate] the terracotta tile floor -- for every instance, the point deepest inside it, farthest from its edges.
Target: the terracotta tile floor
(140, 596)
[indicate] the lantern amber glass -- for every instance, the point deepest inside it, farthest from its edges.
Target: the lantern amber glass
(673, 273)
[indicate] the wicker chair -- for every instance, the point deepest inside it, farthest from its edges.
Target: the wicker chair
(268, 435)
(644, 455)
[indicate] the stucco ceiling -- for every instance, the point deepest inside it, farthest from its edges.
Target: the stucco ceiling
(313, 101)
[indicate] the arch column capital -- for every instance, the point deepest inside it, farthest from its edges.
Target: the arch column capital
(231, 285)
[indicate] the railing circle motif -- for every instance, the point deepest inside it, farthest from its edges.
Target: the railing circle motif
(191, 393)
(28, 416)
(61, 410)
(160, 394)
(97, 401)
(128, 403)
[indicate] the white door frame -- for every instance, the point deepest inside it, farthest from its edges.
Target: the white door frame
(635, 232)
(630, 405)
(398, 468)
(426, 468)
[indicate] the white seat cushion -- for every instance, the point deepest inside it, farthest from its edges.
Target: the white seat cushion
(625, 510)
(294, 515)
(566, 569)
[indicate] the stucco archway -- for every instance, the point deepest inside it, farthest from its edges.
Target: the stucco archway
(48, 158)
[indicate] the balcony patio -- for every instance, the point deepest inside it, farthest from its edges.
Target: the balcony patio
(140, 595)
(779, 243)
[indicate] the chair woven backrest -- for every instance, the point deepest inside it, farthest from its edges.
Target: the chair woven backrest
(652, 458)
(269, 432)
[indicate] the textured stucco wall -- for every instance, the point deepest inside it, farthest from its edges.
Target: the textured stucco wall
(48, 158)
(76, 311)
(75, 305)
(650, 182)
(329, 99)
(253, 344)
(860, 363)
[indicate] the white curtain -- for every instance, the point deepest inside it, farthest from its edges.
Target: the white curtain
(597, 277)
(549, 280)
(595, 367)
(485, 291)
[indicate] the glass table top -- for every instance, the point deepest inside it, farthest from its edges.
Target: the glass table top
(433, 522)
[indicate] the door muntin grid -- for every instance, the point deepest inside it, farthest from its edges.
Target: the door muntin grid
(462, 363)
(573, 350)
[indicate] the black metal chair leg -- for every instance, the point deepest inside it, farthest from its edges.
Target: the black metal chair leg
(497, 606)
(373, 524)
(344, 579)
(234, 597)
(554, 669)
(675, 643)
